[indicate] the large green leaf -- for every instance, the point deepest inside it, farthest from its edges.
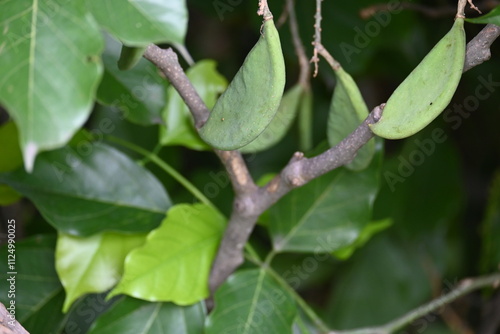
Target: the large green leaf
(140, 93)
(179, 128)
(141, 22)
(131, 316)
(90, 187)
(50, 65)
(251, 302)
(38, 294)
(347, 112)
(490, 257)
(326, 214)
(175, 262)
(92, 264)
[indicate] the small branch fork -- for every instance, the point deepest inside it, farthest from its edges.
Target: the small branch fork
(251, 201)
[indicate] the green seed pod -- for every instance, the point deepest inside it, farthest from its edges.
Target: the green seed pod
(280, 123)
(129, 57)
(347, 112)
(426, 92)
(252, 99)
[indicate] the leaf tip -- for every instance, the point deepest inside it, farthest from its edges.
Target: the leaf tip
(29, 155)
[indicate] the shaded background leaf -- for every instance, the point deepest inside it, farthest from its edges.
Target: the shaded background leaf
(139, 93)
(91, 187)
(131, 316)
(39, 295)
(347, 111)
(326, 214)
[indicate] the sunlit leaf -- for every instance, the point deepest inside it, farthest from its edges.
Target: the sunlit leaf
(175, 261)
(92, 264)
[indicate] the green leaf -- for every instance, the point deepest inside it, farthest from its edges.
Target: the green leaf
(175, 262)
(8, 195)
(326, 214)
(490, 257)
(251, 301)
(366, 234)
(179, 128)
(384, 280)
(12, 158)
(347, 111)
(141, 22)
(492, 17)
(404, 193)
(280, 124)
(92, 264)
(139, 93)
(131, 316)
(91, 187)
(39, 295)
(49, 57)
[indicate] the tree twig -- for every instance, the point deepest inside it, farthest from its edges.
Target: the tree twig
(9, 325)
(305, 70)
(251, 201)
(478, 49)
(463, 288)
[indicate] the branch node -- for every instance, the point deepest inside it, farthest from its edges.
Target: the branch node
(377, 112)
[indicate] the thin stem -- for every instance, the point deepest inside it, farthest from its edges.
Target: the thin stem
(462, 289)
(166, 167)
(309, 312)
(252, 254)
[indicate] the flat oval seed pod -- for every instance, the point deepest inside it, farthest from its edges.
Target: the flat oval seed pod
(347, 112)
(251, 101)
(426, 92)
(280, 124)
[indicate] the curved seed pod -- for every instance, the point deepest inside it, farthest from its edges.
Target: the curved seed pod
(130, 56)
(347, 112)
(280, 124)
(250, 102)
(428, 89)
